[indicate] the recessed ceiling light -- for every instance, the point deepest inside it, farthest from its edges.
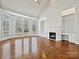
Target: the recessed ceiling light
(35, 0)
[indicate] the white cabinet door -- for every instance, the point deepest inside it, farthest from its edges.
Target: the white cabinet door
(68, 23)
(68, 26)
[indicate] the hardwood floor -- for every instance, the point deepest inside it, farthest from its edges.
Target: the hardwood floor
(37, 48)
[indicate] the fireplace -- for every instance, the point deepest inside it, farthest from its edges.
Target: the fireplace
(52, 35)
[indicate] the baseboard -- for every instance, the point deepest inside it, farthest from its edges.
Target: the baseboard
(76, 43)
(58, 39)
(70, 42)
(65, 40)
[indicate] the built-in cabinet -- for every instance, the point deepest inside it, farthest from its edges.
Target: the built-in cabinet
(13, 25)
(68, 24)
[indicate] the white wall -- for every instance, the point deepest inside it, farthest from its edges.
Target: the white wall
(0, 24)
(77, 24)
(53, 14)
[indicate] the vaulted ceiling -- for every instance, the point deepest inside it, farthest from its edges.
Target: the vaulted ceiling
(25, 7)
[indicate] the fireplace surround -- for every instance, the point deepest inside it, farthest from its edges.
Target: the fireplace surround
(52, 35)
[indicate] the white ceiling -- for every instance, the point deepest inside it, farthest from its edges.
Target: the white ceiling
(25, 7)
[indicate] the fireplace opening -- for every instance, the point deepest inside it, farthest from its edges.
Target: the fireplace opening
(52, 35)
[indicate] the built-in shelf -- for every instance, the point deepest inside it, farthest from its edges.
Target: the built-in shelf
(65, 34)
